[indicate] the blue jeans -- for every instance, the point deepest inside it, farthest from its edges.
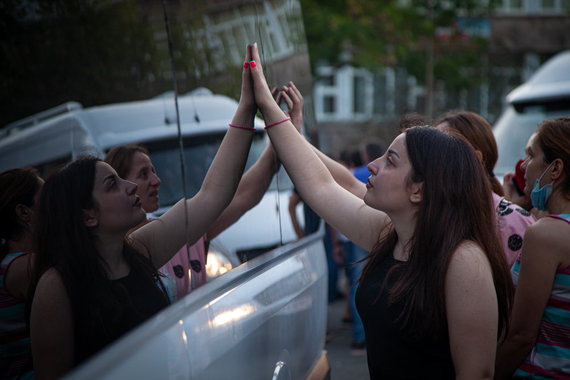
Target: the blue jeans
(353, 253)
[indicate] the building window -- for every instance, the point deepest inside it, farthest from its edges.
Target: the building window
(359, 97)
(327, 80)
(547, 4)
(329, 104)
(515, 4)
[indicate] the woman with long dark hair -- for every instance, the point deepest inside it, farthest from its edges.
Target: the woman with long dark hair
(538, 344)
(133, 163)
(93, 283)
(510, 219)
(19, 190)
(435, 294)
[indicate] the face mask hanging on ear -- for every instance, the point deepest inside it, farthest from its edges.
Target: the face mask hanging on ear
(539, 195)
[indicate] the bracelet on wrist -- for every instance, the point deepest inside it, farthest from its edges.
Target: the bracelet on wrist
(241, 127)
(277, 122)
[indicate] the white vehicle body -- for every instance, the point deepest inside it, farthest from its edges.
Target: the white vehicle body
(546, 95)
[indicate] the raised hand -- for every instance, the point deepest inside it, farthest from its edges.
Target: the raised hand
(294, 101)
(247, 98)
(263, 97)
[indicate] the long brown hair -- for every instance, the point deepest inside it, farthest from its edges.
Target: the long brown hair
(17, 186)
(553, 136)
(478, 132)
(456, 207)
(65, 243)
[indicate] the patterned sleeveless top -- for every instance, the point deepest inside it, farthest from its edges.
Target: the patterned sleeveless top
(550, 356)
(15, 350)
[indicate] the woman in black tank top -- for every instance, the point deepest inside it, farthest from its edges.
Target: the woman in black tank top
(435, 293)
(94, 284)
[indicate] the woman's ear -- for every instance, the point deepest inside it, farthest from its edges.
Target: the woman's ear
(557, 169)
(417, 192)
(90, 218)
(24, 213)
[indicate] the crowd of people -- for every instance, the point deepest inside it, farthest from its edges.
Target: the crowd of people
(455, 280)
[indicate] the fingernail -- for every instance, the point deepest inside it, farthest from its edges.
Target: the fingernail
(246, 65)
(252, 64)
(255, 44)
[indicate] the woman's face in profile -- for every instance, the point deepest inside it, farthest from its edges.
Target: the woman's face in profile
(142, 173)
(118, 207)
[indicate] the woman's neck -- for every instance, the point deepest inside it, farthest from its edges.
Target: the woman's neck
(111, 251)
(558, 204)
(23, 244)
(404, 228)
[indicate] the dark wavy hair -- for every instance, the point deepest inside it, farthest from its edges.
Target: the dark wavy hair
(553, 136)
(65, 243)
(478, 132)
(17, 186)
(456, 206)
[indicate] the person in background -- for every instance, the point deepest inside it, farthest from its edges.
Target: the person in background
(19, 190)
(538, 341)
(312, 222)
(435, 293)
(511, 220)
(133, 163)
(355, 255)
(372, 151)
(513, 191)
(95, 281)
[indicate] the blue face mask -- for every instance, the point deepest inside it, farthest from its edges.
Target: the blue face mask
(539, 195)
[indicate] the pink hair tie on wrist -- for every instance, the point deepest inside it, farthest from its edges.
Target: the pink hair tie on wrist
(242, 127)
(277, 122)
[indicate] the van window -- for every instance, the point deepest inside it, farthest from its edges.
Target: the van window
(199, 151)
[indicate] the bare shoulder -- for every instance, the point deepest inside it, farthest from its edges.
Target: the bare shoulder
(469, 252)
(51, 288)
(549, 227)
(548, 236)
(468, 260)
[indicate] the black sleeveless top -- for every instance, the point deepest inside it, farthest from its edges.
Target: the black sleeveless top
(137, 297)
(392, 352)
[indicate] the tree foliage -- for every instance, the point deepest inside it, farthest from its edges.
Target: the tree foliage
(371, 34)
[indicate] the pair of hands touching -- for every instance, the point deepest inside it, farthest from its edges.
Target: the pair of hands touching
(255, 93)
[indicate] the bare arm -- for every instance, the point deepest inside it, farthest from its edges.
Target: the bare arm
(164, 236)
(472, 313)
(294, 100)
(294, 200)
(17, 276)
(251, 189)
(51, 328)
(313, 180)
(542, 254)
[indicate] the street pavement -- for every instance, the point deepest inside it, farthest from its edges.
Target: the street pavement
(346, 363)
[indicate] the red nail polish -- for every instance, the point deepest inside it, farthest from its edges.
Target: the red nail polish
(252, 64)
(246, 65)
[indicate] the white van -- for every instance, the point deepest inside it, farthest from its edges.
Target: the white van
(546, 95)
(56, 136)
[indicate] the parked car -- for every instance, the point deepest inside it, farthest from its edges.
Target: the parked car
(546, 95)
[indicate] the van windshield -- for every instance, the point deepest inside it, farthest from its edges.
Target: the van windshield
(199, 152)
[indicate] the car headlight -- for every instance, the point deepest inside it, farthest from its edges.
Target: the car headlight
(217, 264)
